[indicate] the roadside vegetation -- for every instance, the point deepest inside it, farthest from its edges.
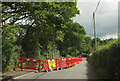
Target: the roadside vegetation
(105, 60)
(37, 30)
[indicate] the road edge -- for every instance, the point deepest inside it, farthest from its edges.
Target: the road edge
(17, 77)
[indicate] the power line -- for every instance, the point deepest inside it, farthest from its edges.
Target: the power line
(97, 6)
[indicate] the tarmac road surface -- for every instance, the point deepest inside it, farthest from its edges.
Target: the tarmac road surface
(79, 71)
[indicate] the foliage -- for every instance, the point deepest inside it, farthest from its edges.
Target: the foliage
(68, 56)
(106, 60)
(30, 28)
(10, 51)
(73, 38)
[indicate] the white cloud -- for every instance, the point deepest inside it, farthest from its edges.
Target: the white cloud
(114, 36)
(106, 16)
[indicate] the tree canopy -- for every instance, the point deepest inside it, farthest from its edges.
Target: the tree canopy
(30, 28)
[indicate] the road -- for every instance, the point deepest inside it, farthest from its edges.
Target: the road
(79, 71)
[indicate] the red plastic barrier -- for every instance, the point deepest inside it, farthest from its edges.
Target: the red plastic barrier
(35, 64)
(47, 64)
(38, 64)
(80, 60)
(64, 62)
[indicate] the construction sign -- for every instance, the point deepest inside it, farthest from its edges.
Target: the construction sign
(51, 64)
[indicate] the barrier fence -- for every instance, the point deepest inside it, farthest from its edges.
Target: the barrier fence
(47, 64)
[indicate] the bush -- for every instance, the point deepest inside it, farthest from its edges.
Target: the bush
(105, 60)
(68, 56)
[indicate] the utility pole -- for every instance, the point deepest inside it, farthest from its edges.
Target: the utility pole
(94, 30)
(94, 24)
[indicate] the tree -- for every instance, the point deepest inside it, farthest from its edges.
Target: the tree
(99, 42)
(10, 51)
(39, 23)
(74, 34)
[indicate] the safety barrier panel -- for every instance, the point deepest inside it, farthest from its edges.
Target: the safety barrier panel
(47, 64)
(30, 63)
(63, 63)
(51, 64)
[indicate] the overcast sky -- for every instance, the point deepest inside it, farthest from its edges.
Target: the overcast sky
(106, 17)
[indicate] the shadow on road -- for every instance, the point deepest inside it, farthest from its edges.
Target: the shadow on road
(7, 78)
(90, 71)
